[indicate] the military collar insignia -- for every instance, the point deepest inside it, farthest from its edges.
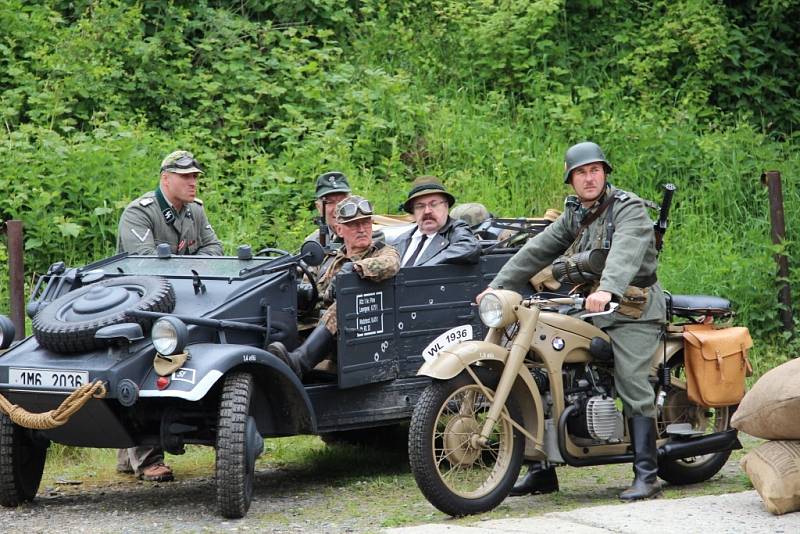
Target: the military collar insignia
(167, 211)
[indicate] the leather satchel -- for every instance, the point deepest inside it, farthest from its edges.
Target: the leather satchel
(716, 364)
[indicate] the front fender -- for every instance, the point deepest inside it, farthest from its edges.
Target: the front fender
(453, 360)
(208, 362)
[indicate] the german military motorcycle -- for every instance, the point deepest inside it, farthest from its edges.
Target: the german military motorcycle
(540, 387)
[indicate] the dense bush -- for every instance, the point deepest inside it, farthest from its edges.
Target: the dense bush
(487, 94)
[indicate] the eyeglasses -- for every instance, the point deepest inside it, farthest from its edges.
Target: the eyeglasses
(351, 207)
(433, 204)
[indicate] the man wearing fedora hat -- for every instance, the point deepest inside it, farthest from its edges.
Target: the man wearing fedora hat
(371, 260)
(436, 238)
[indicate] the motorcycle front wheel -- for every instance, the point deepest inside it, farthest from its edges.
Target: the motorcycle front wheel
(674, 407)
(454, 472)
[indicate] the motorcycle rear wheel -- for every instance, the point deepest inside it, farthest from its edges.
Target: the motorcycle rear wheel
(677, 408)
(456, 476)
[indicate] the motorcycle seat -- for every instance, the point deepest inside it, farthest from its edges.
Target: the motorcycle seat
(692, 305)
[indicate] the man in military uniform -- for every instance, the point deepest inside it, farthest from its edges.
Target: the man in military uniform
(332, 188)
(601, 216)
(171, 214)
(437, 238)
(374, 261)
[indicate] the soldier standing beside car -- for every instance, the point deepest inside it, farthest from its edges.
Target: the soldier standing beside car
(600, 216)
(437, 238)
(371, 260)
(171, 214)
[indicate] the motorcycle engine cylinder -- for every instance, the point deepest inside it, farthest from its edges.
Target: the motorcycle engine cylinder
(603, 421)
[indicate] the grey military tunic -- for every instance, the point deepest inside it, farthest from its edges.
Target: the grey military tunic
(632, 261)
(142, 228)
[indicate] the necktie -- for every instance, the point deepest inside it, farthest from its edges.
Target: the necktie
(413, 257)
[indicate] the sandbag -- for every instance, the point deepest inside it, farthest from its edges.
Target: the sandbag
(774, 470)
(771, 409)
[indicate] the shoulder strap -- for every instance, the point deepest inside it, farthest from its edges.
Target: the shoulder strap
(596, 213)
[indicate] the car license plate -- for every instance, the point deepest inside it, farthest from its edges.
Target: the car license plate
(49, 378)
(455, 335)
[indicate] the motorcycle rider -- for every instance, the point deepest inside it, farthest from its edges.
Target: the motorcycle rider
(600, 216)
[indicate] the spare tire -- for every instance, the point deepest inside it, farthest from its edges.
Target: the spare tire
(69, 323)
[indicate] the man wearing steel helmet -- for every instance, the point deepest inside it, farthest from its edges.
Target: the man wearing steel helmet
(171, 214)
(600, 216)
(370, 260)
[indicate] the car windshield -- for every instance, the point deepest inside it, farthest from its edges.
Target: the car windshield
(205, 266)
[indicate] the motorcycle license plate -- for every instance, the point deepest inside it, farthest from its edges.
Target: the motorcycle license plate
(455, 335)
(49, 378)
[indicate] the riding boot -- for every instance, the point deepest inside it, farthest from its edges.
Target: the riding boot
(537, 481)
(313, 350)
(645, 460)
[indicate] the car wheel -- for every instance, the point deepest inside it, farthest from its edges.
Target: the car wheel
(238, 446)
(21, 463)
(69, 323)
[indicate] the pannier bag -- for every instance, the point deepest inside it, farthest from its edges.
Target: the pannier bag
(716, 364)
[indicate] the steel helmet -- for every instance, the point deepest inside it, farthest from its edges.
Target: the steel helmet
(581, 154)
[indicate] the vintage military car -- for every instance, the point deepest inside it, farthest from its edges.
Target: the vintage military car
(174, 346)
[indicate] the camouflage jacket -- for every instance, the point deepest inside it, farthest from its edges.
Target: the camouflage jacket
(142, 228)
(379, 262)
(631, 258)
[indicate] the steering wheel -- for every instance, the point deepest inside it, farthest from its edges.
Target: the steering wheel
(312, 280)
(267, 250)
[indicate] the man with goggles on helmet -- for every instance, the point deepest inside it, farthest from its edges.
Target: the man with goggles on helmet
(371, 260)
(601, 218)
(171, 214)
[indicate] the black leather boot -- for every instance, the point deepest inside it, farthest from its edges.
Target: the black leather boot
(538, 481)
(645, 460)
(313, 350)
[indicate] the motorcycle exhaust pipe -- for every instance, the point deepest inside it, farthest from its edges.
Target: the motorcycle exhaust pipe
(726, 440)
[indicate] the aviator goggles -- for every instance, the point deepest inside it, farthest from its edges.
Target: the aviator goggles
(183, 163)
(349, 208)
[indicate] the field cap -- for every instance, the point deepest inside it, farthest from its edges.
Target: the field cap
(332, 182)
(181, 162)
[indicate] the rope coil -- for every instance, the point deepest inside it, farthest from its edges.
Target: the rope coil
(53, 418)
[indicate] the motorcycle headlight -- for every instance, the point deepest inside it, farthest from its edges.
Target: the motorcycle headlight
(169, 335)
(497, 308)
(7, 332)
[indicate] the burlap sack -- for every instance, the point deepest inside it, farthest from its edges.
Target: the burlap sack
(774, 470)
(771, 409)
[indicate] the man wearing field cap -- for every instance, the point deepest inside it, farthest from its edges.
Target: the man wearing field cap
(371, 260)
(436, 238)
(332, 187)
(171, 214)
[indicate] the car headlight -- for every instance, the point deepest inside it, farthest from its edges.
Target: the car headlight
(169, 335)
(497, 308)
(7, 332)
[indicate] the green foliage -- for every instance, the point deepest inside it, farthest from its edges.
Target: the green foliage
(485, 93)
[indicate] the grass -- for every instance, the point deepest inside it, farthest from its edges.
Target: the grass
(301, 483)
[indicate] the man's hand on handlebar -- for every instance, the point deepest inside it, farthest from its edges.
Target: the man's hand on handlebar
(597, 301)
